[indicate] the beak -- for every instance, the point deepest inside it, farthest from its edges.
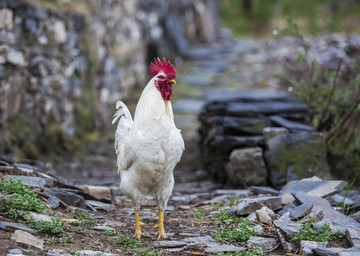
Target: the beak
(172, 81)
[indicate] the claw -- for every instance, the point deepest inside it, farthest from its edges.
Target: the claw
(161, 235)
(138, 234)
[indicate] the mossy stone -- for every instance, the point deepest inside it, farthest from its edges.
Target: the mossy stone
(296, 156)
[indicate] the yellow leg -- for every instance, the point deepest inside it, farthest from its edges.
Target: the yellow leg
(161, 232)
(138, 233)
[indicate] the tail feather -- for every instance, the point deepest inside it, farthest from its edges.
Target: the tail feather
(124, 125)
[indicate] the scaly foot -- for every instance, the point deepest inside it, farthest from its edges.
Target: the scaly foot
(138, 224)
(160, 226)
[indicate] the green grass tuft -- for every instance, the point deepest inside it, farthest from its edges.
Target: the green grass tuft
(129, 242)
(309, 233)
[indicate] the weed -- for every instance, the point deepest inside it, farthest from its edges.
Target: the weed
(233, 201)
(239, 234)
(309, 233)
(342, 205)
(129, 242)
(63, 238)
(223, 216)
(84, 219)
(17, 198)
(146, 252)
(332, 94)
(111, 232)
(73, 252)
(55, 226)
(199, 213)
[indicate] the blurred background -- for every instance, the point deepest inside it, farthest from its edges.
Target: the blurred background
(64, 64)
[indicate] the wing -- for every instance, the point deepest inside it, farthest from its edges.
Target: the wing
(125, 122)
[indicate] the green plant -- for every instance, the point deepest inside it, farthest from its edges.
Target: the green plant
(146, 252)
(84, 219)
(129, 242)
(332, 94)
(233, 201)
(111, 232)
(239, 234)
(309, 233)
(199, 213)
(61, 238)
(55, 226)
(342, 206)
(16, 199)
(223, 216)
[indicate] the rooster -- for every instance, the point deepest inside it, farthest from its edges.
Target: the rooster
(149, 147)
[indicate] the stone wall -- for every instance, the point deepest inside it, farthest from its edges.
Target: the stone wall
(63, 65)
(259, 138)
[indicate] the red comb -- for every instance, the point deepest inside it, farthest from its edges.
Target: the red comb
(166, 67)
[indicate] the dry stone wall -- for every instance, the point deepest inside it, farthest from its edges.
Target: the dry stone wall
(63, 65)
(259, 138)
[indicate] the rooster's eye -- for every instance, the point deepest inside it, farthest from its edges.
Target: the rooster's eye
(161, 77)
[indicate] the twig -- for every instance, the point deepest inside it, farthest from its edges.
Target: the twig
(282, 241)
(273, 249)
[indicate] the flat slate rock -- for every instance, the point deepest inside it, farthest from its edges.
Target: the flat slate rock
(287, 226)
(249, 96)
(232, 192)
(317, 187)
(167, 244)
(353, 235)
(30, 181)
(264, 190)
(27, 239)
(5, 225)
(300, 211)
(101, 228)
(293, 127)
(101, 206)
(249, 205)
(207, 240)
(264, 108)
(223, 248)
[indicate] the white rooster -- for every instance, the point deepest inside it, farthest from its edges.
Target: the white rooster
(149, 147)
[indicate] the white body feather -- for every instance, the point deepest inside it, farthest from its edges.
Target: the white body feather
(147, 148)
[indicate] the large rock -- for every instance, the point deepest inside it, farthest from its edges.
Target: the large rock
(247, 166)
(296, 156)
